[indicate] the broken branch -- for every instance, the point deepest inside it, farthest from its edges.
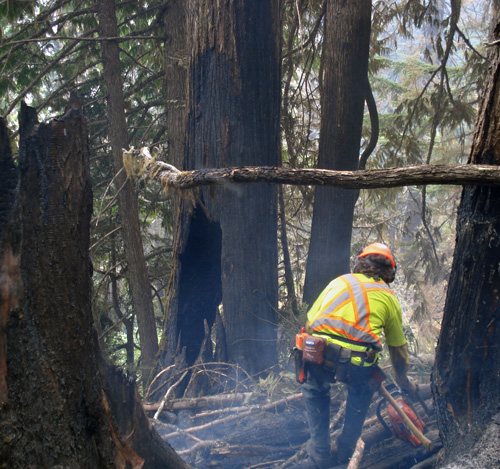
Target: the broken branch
(201, 402)
(167, 394)
(140, 164)
(236, 416)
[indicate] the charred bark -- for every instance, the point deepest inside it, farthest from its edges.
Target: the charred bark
(176, 64)
(465, 375)
(9, 250)
(195, 286)
(227, 244)
(66, 407)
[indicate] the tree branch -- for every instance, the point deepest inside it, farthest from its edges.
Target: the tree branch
(140, 164)
(312, 35)
(80, 39)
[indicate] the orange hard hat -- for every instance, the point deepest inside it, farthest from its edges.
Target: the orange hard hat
(378, 248)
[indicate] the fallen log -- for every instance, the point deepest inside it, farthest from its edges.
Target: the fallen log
(235, 416)
(140, 163)
(233, 440)
(220, 400)
(231, 443)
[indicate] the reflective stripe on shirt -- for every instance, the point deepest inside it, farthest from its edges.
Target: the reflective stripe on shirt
(348, 312)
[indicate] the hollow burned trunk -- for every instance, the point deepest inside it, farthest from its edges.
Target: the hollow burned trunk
(226, 250)
(63, 405)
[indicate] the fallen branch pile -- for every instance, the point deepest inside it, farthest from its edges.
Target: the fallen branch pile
(250, 430)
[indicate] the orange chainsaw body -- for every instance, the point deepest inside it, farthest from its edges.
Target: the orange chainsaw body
(398, 425)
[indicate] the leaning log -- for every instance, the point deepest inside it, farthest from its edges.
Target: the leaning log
(142, 164)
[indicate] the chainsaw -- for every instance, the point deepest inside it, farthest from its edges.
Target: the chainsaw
(404, 422)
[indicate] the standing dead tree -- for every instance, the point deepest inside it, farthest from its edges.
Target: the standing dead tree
(62, 404)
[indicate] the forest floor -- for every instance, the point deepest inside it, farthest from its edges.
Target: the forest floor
(266, 427)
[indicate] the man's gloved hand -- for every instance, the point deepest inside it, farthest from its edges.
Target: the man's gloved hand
(410, 387)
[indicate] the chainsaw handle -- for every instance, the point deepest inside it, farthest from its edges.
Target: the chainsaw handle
(428, 445)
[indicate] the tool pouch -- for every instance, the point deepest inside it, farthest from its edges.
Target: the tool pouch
(344, 365)
(314, 350)
(332, 352)
(300, 374)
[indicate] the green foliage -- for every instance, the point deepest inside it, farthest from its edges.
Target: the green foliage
(15, 10)
(277, 385)
(426, 103)
(50, 48)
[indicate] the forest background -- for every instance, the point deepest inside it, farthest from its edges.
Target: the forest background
(427, 66)
(42, 64)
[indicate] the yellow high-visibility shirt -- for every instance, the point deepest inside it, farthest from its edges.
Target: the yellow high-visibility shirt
(358, 308)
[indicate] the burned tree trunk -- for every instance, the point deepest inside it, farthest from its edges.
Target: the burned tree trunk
(9, 249)
(65, 406)
(465, 375)
(226, 250)
(176, 60)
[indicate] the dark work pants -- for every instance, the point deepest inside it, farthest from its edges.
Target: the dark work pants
(316, 394)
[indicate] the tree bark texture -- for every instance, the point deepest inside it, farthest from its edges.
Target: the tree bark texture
(458, 175)
(9, 251)
(345, 64)
(465, 375)
(227, 244)
(176, 63)
(66, 407)
(50, 349)
(137, 274)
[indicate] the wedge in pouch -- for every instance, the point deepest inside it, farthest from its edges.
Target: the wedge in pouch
(300, 375)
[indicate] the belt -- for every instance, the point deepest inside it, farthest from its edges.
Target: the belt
(367, 355)
(335, 351)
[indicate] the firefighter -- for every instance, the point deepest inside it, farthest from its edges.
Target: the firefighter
(350, 314)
